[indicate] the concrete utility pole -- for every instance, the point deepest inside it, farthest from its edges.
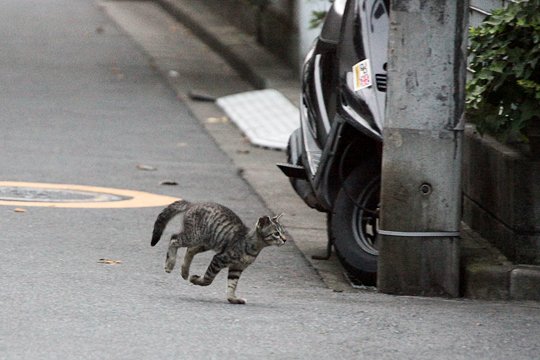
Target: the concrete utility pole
(421, 174)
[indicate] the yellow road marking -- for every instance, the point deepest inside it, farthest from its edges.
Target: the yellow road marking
(135, 198)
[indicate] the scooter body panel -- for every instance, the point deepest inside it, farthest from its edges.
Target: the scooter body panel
(334, 112)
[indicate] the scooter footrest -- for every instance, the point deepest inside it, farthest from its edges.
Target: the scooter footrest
(293, 171)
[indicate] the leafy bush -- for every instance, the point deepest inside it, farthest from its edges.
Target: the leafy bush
(317, 18)
(503, 97)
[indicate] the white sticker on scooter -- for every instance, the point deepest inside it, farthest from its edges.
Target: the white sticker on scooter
(362, 75)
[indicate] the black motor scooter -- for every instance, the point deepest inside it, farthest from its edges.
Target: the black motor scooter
(334, 158)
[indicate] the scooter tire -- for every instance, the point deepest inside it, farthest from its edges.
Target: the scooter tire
(356, 257)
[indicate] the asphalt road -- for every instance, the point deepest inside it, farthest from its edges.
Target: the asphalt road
(82, 104)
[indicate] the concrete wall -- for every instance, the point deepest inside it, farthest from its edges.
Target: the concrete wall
(274, 25)
(501, 188)
(282, 26)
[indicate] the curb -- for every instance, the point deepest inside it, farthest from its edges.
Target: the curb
(485, 272)
(254, 63)
(501, 282)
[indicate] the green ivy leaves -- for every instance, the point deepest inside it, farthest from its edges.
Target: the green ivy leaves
(503, 95)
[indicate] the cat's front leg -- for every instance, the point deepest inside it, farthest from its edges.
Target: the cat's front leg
(219, 262)
(170, 261)
(232, 282)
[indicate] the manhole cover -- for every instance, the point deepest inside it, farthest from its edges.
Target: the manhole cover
(76, 196)
(20, 193)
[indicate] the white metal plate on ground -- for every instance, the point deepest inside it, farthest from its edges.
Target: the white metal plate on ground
(266, 117)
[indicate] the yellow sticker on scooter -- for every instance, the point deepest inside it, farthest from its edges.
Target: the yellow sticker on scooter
(362, 75)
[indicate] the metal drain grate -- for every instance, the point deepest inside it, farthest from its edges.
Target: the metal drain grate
(266, 117)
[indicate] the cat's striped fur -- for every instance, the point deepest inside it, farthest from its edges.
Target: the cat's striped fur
(211, 226)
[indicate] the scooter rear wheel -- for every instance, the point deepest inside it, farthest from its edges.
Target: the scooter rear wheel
(354, 222)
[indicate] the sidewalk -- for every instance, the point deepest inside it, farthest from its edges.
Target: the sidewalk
(486, 273)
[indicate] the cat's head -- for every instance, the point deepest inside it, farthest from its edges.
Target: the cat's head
(271, 231)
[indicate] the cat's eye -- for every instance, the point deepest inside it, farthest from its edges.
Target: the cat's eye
(276, 233)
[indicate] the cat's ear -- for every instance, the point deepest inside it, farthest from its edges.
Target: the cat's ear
(263, 222)
(276, 218)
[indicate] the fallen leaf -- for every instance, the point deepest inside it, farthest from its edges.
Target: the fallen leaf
(19, 210)
(168, 182)
(117, 72)
(201, 96)
(109, 261)
(146, 167)
(239, 151)
(217, 120)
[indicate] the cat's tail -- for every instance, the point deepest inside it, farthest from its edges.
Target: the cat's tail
(165, 216)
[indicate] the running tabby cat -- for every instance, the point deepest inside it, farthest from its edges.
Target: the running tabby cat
(211, 226)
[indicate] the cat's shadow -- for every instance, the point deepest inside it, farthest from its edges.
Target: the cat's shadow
(183, 299)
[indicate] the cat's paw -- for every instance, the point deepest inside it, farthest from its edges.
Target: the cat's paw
(237, 301)
(197, 280)
(185, 273)
(169, 266)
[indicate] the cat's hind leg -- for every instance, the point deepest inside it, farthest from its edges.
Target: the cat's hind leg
(174, 244)
(219, 261)
(188, 258)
